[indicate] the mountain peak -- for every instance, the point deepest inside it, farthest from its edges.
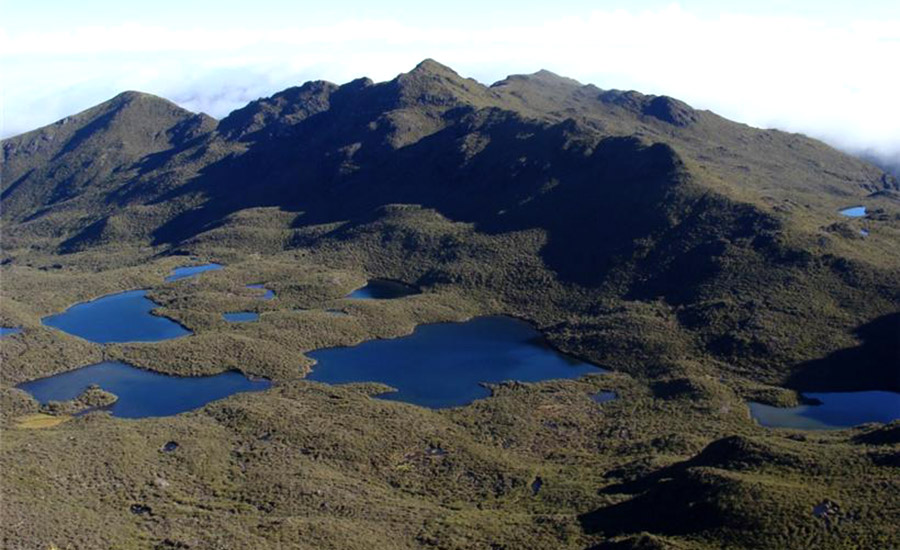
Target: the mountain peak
(430, 66)
(133, 96)
(546, 76)
(542, 78)
(431, 84)
(101, 141)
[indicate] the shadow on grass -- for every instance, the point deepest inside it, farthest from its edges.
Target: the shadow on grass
(873, 365)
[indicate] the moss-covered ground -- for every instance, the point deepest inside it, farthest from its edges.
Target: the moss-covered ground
(675, 461)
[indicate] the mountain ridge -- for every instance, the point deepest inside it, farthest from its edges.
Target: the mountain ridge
(680, 196)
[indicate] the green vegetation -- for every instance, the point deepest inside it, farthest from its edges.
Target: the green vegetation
(698, 259)
(93, 397)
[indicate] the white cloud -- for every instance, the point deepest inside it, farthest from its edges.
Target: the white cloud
(832, 80)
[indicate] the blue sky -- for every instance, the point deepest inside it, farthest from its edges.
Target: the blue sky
(827, 69)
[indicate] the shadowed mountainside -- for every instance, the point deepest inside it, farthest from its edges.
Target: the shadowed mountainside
(639, 197)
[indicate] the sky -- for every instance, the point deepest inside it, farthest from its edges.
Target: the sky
(828, 69)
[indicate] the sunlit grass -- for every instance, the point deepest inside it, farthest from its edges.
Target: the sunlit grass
(40, 420)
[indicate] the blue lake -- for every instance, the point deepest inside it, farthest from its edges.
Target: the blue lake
(191, 271)
(122, 317)
(142, 393)
(9, 331)
(838, 410)
(854, 211)
(444, 364)
(382, 289)
(240, 316)
(267, 295)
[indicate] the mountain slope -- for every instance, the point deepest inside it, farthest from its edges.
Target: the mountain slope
(637, 198)
(50, 165)
(305, 142)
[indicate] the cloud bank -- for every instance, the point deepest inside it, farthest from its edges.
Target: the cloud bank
(833, 80)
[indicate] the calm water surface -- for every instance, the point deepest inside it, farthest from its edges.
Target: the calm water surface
(603, 396)
(838, 410)
(191, 271)
(9, 331)
(854, 211)
(267, 295)
(240, 316)
(142, 393)
(382, 289)
(443, 365)
(122, 317)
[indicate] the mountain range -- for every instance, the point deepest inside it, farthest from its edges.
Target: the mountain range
(641, 197)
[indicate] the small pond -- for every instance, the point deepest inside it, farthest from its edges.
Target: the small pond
(9, 331)
(191, 271)
(122, 317)
(838, 410)
(240, 316)
(854, 211)
(603, 396)
(142, 393)
(383, 289)
(444, 364)
(267, 295)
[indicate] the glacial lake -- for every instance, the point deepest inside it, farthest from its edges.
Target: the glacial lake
(9, 331)
(191, 271)
(854, 211)
(444, 364)
(267, 295)
(838, 410)
(240, 316)
(383, 289)
(122, 317)
(142, 393)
